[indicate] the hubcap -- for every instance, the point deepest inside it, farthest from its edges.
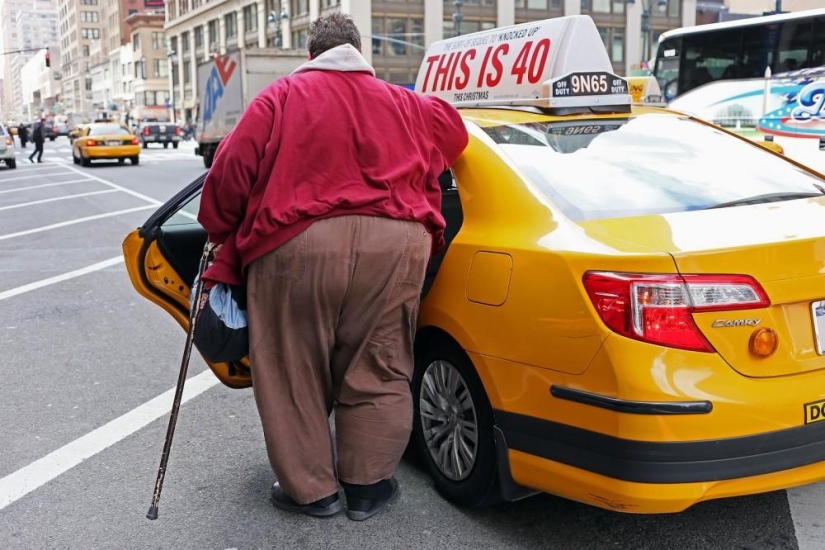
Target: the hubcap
(448, 420)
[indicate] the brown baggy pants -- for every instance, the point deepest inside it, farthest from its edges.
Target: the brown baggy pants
(332, 316)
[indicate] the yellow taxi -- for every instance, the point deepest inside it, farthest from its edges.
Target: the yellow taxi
(630, 312)
(105, 141)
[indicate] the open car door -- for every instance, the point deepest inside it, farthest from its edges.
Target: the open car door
(162, 259)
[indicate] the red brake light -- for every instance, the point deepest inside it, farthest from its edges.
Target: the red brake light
(134, 140)
(9, 141)
(177, 130)
(91, 142)
(658, 308)
(145, 130)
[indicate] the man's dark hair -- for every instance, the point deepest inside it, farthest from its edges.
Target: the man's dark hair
(331, 30)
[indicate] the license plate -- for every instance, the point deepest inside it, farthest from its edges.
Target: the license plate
(818, 316)
(814, 412)
(114, 143)
(163, 128)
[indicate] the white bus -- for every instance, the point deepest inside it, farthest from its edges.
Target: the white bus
(692, 56)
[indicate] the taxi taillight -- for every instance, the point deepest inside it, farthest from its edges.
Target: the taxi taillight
(658, 308)
(134, 140)
(91, 142)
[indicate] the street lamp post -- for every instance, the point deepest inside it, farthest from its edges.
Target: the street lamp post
(170, 55)
(661, 6)
(277, 19)
(457, 16)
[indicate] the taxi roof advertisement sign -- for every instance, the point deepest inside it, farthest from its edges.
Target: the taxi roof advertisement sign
(517, 64)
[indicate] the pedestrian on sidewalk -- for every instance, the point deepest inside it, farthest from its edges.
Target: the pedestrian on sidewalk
(23, 134)
(38, 137)
(325, 199)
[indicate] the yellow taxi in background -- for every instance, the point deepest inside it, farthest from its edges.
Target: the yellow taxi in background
(630, 311)
(105, 141)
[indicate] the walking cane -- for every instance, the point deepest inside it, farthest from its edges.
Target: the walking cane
(184, 366)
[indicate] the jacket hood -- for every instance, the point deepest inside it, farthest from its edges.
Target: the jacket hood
(340, 58)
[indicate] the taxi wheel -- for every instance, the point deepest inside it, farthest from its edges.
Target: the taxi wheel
(453, 426)
(121, 161)
(84, 161)
(75, 159)
(135, 160)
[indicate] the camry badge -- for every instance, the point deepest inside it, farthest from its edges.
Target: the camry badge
(724, 323)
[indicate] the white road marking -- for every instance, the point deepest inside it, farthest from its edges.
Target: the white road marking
(73, 222)
(806, 511)
(42, 186)
(25, 480)
(4, 180)
(55, 199)
(35, 168)
(141, 196)
(4, 295)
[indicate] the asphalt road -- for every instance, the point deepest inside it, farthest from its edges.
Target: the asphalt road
(81, 429)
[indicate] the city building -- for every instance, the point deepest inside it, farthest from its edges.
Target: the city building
(29, 26)
(150, 77)
(80, 28)
(2, 98)
(8, 14)
(759, 7)
(40, 85)
(395, 34)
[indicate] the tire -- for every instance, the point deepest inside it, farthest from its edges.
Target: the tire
(51, 139)
(84, 161)
(477, 484)
(145, 145)
(12, 164)
(75, 159)
(208, 157)
(121, 161)
(135, 161)
(166, 145)
(174, 145)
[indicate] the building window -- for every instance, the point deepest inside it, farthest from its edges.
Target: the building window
(230, 23)
(601, 6)
(89, 16)
(214, 39)
(199, 37)
(159, 41)
(187, 72)
(135, 42)
(674, 8)
(161, 68)
(617, 50)
(140, 69)
(85, 51)
(183, 6)
(250, 18)
(184, 42)
(300, 7)
(397, 36)
(173, 43)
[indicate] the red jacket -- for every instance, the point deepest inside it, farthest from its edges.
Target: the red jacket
(322, 143)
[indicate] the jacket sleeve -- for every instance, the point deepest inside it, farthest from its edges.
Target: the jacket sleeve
(235, 170)
(449, 132)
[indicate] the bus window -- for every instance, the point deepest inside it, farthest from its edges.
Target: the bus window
(794, 44)
(758, 50)
(818, 44)
(666, 70)
(705, 60)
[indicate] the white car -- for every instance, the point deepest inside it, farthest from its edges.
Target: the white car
(7, 150)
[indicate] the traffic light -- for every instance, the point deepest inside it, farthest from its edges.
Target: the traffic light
(48, 59)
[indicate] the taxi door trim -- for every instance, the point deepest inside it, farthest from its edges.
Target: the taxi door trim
(628, 406)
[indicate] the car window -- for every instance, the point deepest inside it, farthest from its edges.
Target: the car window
(108, 129)
(648, 164)
(187, 214)
(2, 130)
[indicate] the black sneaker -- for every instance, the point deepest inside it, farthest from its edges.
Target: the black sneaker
(325, 507)
(359, 507)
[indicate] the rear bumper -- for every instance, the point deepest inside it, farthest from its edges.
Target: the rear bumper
(160, 139)
(8, 154)
(125, 151)
(657, 477)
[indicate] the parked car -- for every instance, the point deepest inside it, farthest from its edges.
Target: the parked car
(162, 132)
(628, 310)
(7, 150)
